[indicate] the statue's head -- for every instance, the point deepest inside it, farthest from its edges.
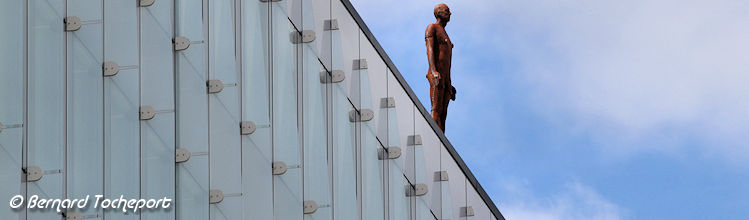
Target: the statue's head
(442, 12)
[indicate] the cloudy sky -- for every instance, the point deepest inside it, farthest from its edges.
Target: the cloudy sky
(591, 109)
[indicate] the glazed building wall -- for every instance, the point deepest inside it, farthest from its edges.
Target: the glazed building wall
(279, 63)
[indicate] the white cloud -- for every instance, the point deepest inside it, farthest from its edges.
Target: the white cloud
(575, 201)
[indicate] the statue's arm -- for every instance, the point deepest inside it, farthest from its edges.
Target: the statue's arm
(431, 56)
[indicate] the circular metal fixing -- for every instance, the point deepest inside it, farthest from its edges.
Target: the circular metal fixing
(279, 168)
(72, 23)
(182, 155)
(146, 3)
(34, 173)
(215, 196)
(215, 86)
(73, 216)
(147, 112)
(181, 43)
(110, 68)
(247, 127)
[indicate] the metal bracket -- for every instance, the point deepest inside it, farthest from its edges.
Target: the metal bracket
(73, 216)
(417, 190)
(247, 127)
(390, 153)
(181, 155)
(146, 3)
(215, 86)
(110, 68)
(147, 112)
(215, 196)
(279, 168)
(414, 140)
(72, 23)
(310, 207)
(331, 24)
(361, 116)
(335, 76)
(305, 36)
(442, 175)
(181, 43)
(388, 102)
(34, 173)
(469, 211)
(361, 64)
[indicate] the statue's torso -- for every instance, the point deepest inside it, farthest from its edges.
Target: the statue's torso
(443, 50)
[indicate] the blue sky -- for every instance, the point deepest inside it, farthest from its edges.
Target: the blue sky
(591, 109)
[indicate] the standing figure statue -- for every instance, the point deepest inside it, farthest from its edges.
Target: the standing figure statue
(439, 53)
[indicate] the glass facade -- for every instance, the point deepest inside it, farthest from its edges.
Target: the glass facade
(263, 109)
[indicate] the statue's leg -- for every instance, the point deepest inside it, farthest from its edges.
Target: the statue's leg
(434, 96)
(438, 106)
(446, 102)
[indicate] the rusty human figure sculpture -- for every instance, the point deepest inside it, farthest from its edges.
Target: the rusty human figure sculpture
(439, 53)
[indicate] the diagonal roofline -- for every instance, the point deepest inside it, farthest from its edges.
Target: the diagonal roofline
(424, 113)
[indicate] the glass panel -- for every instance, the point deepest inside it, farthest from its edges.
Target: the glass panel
(372, 166)
(229, 208)
(11, 141)
(314, 17)
(346, 49)
(84, 111)
(157, 90)
(372, 175)
(12, 55)
(121, 32)
(192, 99)
(46, 104)
(344, 157)
(316, 171)
(87, 10)
(192, 115)
(399, 204)
(401, 129)
(422, 210)
(480, 210)
(121, 135)
(454, 193)
(256, 147)
(325, 44)
(375, 85)
(427, 162)
(157, 158)
(225, 150)
(157, 59)
(192, 188)
(293, 11)
(287, 190)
